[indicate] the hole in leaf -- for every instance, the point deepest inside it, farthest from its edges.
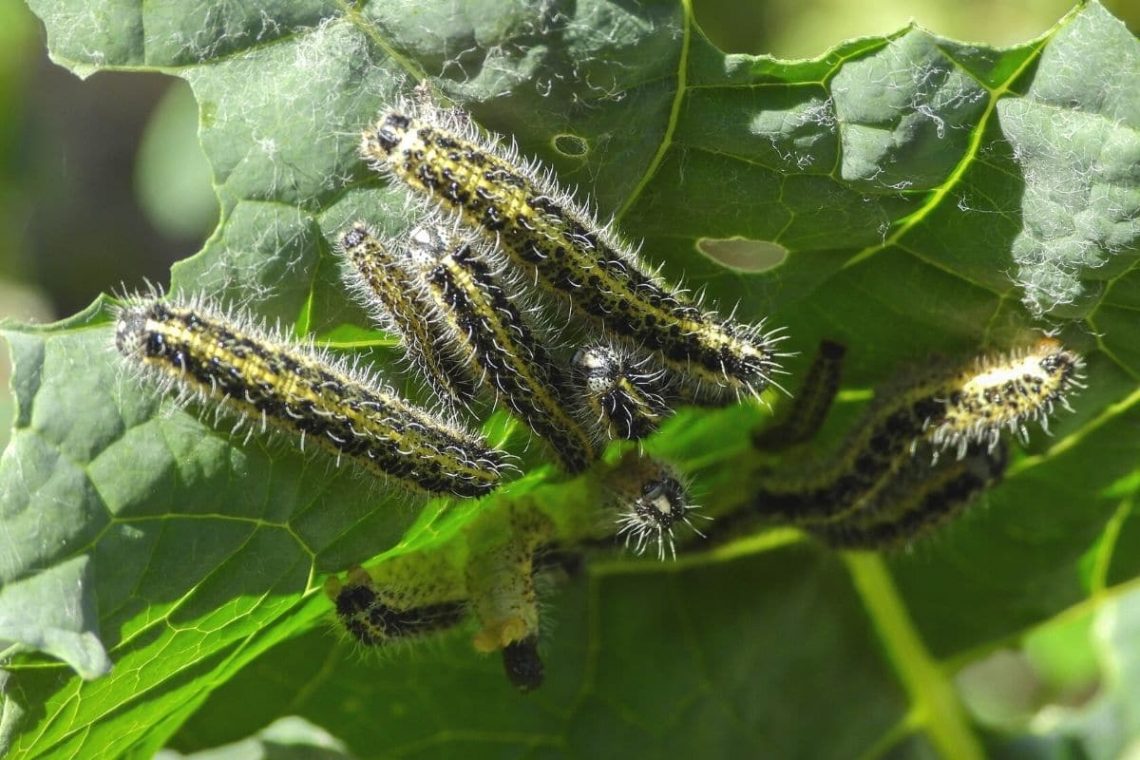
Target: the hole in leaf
(571, 145)
(743, 254)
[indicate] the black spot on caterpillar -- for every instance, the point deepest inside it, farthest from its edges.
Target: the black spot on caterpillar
(234, 366)
(561, 246)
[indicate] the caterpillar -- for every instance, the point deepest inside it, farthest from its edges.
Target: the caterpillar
(240, 368)
(953, 408)
(493, 337)
(923, 495)
(620, 394)
(561, 246)
(811, 403)
(490, 569)
(652, 501)
(380, 277)
(425, 592)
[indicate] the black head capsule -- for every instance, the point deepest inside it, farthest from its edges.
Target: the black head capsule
(651, 501)
(662, 503)
(390, 131)
(354, 238)
(621, 396)
(523, 665)
(131, 334)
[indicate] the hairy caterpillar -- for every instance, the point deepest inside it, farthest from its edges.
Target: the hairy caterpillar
(652, 501)
(425, 592)
(619, 393)
(543, 230)
(921, 496)
(490, 568)
(242, 369)
(493, 336)
(382, 281)
(945, 408)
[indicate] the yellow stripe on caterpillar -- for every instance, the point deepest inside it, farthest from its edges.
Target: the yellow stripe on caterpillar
(232, 365)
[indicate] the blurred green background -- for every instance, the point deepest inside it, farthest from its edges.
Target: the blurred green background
(103, 184)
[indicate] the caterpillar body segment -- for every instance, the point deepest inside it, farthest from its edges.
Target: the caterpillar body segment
(811, 404)
(922, 496)
(411, 597)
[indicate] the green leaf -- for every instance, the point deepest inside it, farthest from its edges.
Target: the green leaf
(924, 196)
(1074, 136)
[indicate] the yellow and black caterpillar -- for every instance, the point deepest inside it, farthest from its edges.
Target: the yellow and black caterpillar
(232, 365)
